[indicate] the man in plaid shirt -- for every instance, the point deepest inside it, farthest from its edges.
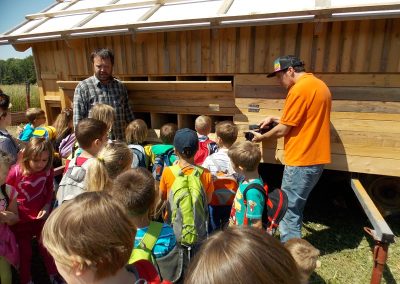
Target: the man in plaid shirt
(103, 88)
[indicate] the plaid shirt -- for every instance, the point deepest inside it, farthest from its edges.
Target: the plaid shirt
(90, 92)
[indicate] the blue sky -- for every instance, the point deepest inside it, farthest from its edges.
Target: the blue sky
(13, 13)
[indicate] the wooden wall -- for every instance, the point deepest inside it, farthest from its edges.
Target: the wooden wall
(359, 60)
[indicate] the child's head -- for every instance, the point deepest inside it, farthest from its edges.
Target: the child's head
(91, 234)
(5, 105)
(112, 160)
(305, 255)
(63, 121)
(226, 132)
(104, 113)
(167, 133)
(134, 189)
(136, 132)
(245, 155)
(186, 143)
(242, 255)
(35, 116)
(202, 124)
(91, 133)
(5, 162)
(37, 156)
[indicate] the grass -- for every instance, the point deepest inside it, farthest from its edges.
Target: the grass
(18, 97)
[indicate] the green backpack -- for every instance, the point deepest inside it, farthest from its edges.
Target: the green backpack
(187, 206)
(146, 245)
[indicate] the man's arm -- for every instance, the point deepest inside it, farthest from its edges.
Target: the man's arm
(277, 132)
(80, 107)
(128, 110)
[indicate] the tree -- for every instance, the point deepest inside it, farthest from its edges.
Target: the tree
(17, 71)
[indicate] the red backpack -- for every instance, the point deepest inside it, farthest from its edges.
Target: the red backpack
(203, 152)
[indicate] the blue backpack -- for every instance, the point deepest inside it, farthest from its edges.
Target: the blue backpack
(139, 158)
(161, 161)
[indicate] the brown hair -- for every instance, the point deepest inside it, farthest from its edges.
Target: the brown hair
(90, 232)
(112, 160)
(227, 131)
(88, 130)
(33, 113)
(202, 124)
(33, 149)
(242, 255)
(305, 255)
(167, 133)
(135, 190)
(136, 132)
(103, 53)
(4, 103)
(245, 154)
(103, 113)
(63, 122)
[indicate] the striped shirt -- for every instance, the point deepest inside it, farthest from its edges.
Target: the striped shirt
(91, 91)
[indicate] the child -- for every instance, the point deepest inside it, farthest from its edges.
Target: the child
(163, 154)
(97, 244)
(135, 190)
(112, 160)
(65, 139)
(32, 178)
(245, 157)
(242, 255)
(104, 113)
(188, 215)
(305, 255)
(226, 180)
(7, 142)
(91, 135)
(36, 117)
(8, 216)
(136, 134)
(202, 125)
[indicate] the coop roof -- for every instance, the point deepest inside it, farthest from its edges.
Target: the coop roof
(85, 18)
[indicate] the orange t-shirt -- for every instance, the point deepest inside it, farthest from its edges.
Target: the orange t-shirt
(307, 109)
(168, 178)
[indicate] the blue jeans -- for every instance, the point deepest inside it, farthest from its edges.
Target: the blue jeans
(297, 182)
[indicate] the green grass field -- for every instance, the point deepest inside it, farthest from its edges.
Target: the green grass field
(18, 97)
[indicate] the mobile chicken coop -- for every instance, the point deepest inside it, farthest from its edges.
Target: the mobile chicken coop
(180, 59)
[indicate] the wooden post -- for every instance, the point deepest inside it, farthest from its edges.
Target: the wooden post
(28, 94)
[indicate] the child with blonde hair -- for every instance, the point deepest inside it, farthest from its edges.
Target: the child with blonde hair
(305, 255)
(9, 254)
(207, 146)
(35, 117)
(112, 160)
(105, 113)
(98, 243)
(32, 178)
(135, 135)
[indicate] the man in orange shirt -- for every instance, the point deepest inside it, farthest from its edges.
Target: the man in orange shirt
(305, 126)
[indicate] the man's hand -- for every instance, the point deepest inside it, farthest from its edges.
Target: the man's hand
(268, 120)
(258, 137)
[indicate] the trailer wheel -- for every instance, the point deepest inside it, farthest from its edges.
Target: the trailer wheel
(385, 192)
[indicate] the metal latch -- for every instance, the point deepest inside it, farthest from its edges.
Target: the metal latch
(254, 108)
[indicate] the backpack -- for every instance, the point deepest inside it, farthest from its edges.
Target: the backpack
(276, 204)
(48, 132)
(67, 145)
(187, 206)
(161, 161)
(139, 158)
(169, 266)
(72, 182)
(203, 152)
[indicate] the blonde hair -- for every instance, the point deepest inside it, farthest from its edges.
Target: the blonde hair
(305, 255)
(111, 161)
(227, 131)
(136, 132)
(90, 232)
(242, 255)
(103, 113)
(33, 113)
(245, 154)
(202, 124)
(35, 147)
(63, 122)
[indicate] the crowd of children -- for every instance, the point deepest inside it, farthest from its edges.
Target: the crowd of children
(101, 223)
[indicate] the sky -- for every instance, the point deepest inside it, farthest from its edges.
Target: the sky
(13, 13)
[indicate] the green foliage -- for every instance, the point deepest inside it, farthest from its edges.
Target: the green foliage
(17, 95)
(17, 71)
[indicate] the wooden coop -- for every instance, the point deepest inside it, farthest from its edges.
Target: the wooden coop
(180, 59)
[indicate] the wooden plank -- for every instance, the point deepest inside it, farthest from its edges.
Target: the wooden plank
(347, 46)
(333, 57)
(185, 110)
(377, 42)
(245, 49)
(260, 48)
(320, 40)
(205, 36)
(363, 40)
(307, 31)
(393, 63)
(171, 102)
(184, 52)
(216, 86)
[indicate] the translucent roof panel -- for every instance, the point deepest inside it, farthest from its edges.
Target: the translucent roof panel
(26, 27)
(190, 10)
(61, 23)
(88, 4)
(345, 3)
(59, 7)
(116, 17)
(129, 1)
(240, 7)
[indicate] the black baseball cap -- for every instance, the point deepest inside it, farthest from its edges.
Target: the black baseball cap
(284, 62)
(186, 141)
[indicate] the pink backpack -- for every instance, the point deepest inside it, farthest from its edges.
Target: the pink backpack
(66, 145)
(203, 152)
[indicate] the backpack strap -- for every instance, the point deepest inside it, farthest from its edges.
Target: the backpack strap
(256, 186)
(177, 170)
(150, 237)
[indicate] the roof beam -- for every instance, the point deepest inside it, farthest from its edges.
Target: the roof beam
(225, 7)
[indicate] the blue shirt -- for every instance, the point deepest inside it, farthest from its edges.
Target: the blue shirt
(27, 133)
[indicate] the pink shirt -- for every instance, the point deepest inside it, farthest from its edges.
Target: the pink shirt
(34, 191)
